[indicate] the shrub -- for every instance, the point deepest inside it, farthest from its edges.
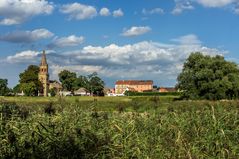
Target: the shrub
(152, 93)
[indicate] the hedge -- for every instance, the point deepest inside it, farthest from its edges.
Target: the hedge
(152, 93)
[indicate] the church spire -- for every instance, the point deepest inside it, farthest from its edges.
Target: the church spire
(43, 59)
(44, 76)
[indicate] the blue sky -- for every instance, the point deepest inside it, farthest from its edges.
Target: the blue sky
(119, 39)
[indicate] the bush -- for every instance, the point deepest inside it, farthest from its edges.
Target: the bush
(128, 93)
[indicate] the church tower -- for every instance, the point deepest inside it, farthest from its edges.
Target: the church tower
(43, 75)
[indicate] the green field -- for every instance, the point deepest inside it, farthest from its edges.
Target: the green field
(118, 127)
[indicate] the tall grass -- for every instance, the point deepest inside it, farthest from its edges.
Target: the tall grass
(136, 128)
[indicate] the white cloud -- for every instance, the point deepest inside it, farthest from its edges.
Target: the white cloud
(27, 56)
(17, 11)
(105, 12)
(79, 11)
(26, 36)
(215, 3)
(153, 11)
(135, 31)
(232, 4)
(118, 13)
(71, 40)
(182, 5)
(188, 39)
(83, 69)
(144, 60)
(24, 56)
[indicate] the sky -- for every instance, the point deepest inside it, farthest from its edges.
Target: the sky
(118, 39)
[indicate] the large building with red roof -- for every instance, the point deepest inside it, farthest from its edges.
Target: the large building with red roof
(133, 85)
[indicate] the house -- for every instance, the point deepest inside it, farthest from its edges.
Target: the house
(81, 92)
(65, 93)
(55, 85)
(109, 91)
(20, 94)
(167, 89)
(133, 85)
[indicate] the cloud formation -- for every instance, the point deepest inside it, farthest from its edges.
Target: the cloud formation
(105, 12)
(17, 11)
(182, 5)
(153, 11)
(118, 13)
(144, 60)
(215, 3)
(69, 41)
(136, 30)
(23, 56)
(79, 11)
(26, 36)
(189, 39)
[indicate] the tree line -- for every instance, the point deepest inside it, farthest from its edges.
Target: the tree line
(92, 83)
(30, 84)
(202, 77)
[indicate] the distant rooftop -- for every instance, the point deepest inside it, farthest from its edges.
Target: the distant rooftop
(134, 82)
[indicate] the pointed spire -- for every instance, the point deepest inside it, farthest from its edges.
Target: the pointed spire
(43, 59)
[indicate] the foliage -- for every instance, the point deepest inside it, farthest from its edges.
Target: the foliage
(53, 92)
(17, 89)
(67, 79)
(29, 81)
(207, 77)
(93, 83)
(67, 130)
(29, 89)
(4, 90)
(80, 81)
(129, 93)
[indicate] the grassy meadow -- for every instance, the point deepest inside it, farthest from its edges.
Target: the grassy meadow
(118, 127)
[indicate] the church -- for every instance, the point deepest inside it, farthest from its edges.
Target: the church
(44, 78)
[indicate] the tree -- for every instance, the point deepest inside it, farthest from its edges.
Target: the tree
(95, 84)
(53, 92)
(4, 90)
(29, 89)
(67, 79)
(80, 81)
(17, 89)
(71, 82)
(29, 81)
(207, 77)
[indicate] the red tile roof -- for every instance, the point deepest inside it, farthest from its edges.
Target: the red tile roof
(134, 82)
(167, 89)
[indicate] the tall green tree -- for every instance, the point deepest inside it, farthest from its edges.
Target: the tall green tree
(4, 90)
(67, 79)
(29, 81)
(17, 89)
(95, 84)
(80, 81)
(30, 89)
(209, 77)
